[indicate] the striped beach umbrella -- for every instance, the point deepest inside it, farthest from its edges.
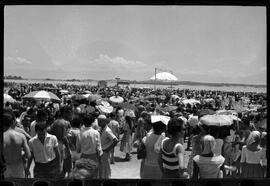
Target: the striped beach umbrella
(42, 95)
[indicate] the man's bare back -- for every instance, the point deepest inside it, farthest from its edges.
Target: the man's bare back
(14, 143)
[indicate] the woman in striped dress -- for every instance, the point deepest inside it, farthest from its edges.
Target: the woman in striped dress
(171, 157)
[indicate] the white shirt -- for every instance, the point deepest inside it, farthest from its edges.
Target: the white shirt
(89, 141)
(43, 153)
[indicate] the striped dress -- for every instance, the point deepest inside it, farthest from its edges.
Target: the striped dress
(170, 162)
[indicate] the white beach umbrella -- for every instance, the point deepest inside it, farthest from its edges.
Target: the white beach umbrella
(42, 95)
(226, 112)
(105, 107)
(191, 101)
(164, 76)
(175, 96)
(116, 99)
(64, 91)
(217, 120)
(163, 119)
(8, 98)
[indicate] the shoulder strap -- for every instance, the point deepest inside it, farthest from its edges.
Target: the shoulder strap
(175, 147)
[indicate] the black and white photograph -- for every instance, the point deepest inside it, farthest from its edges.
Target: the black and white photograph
(135, 92)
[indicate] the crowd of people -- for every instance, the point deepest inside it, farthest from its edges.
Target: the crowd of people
(74, 138)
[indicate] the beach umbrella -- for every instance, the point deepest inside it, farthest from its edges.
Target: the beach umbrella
(216, 120)
(78, 97)
(175, 97)
(127, 105)
(86, 95)
(168, 108)
(206, 112)
(64, 91)
(151, 96)
(87, 92)
(164, 119)
(226, 112)
(209, 100)
(42, 95)
(191, 101)
(105, 107)
(116, 99)
(164, 76)
(8, 98)
(94, 97)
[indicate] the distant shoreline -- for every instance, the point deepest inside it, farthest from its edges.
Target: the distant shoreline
(192, 83)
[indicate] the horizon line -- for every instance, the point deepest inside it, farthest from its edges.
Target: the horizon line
(173, 82)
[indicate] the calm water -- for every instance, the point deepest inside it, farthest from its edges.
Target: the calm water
(224, 88)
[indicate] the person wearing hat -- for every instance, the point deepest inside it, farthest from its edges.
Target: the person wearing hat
(44, 149)
(108, 142)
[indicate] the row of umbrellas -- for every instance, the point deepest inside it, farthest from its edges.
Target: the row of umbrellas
(210, 118)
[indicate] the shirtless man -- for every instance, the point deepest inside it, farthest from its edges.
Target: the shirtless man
(14, 143)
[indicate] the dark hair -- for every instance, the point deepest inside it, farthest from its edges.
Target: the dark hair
(41, 113)
(88, 119)
(112, 115)
(158, 127)
(196, 130)
(8, 117)
(214, 131)
(30, 111)
(246, 121)
(40, 126)
(76, 122)
(175, 125)
(65, 109)
(128, 120)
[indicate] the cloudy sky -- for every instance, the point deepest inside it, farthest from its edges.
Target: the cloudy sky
(197, 43)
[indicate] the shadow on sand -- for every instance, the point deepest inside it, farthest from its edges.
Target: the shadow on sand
(119, 159)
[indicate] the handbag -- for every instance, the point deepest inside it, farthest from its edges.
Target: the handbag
(141, 151)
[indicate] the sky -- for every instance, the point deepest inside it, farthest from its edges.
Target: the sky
(216, 44)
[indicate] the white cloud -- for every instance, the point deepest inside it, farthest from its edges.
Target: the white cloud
(118, 62)
(18, 60)
(213, 73)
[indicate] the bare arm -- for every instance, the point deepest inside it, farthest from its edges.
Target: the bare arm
(30, 161)
(78, 144)
(160, 161)
(180, 153)
(26, 148)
